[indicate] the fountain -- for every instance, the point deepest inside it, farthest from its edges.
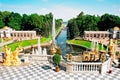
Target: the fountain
(93, 45)
(39, 50)
(53, 31)
(36, 51)
(54, 48)
(44, 51)
(38, 55)
(102, 47)
(107, 49)
(39, 47)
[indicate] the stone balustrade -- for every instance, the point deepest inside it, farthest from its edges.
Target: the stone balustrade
(80, 67)
(37, 58)
(87, 66)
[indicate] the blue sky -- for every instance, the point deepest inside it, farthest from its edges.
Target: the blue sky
(64, 9)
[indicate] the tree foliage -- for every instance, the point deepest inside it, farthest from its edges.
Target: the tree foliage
(108, 21)
(81, 23)
(40, 23)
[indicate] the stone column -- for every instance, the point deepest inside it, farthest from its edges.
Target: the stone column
(23, 34)
(16, 35)
(12, 35)
(92, 35)
(69, 67)
(99, 35)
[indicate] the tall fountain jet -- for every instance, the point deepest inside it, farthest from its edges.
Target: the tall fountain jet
(93, 44)
(39, 47)
(53, 45)
(53, 31)
(102, 46)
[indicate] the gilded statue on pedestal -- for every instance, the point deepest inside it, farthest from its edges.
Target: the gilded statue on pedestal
(7, 53)
(16, 60)
(11, 58)
(112, 49)
(96, 53)
(103, 57)
(69, 57)
(55, 49)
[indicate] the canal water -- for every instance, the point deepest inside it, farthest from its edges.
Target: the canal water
(61, 40)
(62, 44)
(67, 48)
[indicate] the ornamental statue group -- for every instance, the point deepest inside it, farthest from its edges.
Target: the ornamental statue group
(11, 58)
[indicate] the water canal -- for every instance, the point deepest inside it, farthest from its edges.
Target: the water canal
(67, 48)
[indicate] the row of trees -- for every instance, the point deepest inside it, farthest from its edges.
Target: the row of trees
(41, 23)
(81, 23)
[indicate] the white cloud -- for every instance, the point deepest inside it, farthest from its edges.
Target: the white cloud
(61, 12)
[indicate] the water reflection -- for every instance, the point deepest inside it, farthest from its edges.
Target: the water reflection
(67, 48)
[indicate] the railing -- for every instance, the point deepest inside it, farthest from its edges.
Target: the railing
(87, 66)
(78, 67)
(37, 58)
(73, 66)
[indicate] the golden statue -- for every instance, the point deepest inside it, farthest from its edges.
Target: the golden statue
(86, 56)
(96, 54)
(16, 60)
(69, 57)
(102, 57)
(11, 58)
(54, 48)
(89, 56)
(7, 53)
(112, 49)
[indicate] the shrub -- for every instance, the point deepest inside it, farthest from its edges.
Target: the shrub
(56, 59)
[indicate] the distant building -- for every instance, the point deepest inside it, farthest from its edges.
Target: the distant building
(116, 33)
(10, 33)
(112, 33)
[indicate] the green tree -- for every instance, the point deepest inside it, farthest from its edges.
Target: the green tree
(24, 25)
(82, 23)
(14, 21)
(1, 22)
(34, 21)
(41, 23)
(108, 21)
(72, 29)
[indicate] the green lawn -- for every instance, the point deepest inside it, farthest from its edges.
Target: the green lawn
(25, 43)
(84, 43)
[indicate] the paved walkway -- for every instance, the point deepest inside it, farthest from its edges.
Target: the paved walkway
(46, 72)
